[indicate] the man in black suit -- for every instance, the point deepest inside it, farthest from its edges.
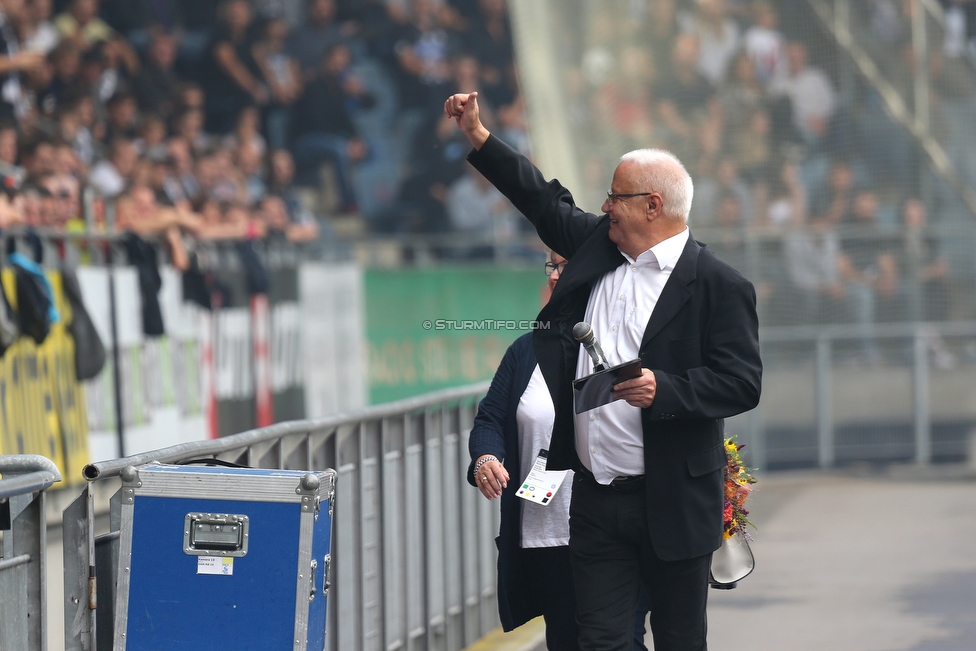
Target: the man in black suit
(648, 495)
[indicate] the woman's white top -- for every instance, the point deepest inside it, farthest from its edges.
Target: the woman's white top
(542, 525)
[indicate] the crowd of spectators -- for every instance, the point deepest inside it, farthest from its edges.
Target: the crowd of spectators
(206, 119)
(807, 186)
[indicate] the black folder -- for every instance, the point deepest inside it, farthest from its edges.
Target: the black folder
(593, 391)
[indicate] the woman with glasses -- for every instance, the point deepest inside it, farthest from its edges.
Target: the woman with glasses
(514, 422)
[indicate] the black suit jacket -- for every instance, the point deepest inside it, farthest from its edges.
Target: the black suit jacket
(701, 341)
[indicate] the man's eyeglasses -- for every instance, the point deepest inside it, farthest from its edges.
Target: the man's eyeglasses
(555, 266)
(611, 197)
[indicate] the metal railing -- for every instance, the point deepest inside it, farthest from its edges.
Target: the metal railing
(415, 558)
(23, 531)
(825, 405)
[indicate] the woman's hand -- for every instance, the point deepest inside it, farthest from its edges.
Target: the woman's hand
(491, 478)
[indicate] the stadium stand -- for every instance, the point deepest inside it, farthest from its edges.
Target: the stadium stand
(320, 119)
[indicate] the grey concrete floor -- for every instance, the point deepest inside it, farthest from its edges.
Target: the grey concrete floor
(857, 560)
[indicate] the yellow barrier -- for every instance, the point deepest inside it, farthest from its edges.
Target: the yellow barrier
(42, 405)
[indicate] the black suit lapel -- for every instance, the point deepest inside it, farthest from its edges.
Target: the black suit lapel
(554, 345)
(595, 257)
(676, 291)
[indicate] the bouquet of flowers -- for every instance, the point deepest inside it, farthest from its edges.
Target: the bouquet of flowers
(738, 485)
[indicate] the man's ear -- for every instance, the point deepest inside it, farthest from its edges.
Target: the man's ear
(654, 206)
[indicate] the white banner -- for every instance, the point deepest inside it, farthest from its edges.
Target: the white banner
(318, 343)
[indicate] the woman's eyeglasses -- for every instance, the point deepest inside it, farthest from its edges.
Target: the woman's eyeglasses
(555, 266)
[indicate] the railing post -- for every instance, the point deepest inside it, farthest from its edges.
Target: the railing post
(826, 455)
(920, 392)
(77, 526)
(846, 81)
(88, 212)
(921, 76)
(757, 435)
(28, 582)
(113, 322)
(842, 19)
(23, 559)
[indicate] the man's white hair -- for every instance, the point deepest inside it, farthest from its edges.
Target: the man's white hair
(661, 171)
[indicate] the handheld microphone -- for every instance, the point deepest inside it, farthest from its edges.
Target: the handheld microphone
(583, 333)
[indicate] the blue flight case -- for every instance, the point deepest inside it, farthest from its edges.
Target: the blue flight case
(223, 559)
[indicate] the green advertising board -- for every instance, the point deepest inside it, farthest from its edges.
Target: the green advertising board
(430, 329)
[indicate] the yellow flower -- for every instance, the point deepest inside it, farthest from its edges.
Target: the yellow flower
(726, 535)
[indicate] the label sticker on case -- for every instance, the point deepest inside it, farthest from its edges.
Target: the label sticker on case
(215, 565)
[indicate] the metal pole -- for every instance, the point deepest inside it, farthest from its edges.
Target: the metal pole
(826, 455)
(920, 386)
(77, 527)
(113, 320)
(920, 47)
(26, 473)
(88, 212)
(842, 17)
(759, 454)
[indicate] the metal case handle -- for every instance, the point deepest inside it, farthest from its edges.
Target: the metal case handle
(215, 534)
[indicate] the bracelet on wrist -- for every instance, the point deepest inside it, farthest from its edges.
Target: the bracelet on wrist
(482, 462)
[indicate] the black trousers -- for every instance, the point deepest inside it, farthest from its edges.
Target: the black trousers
(548, 571)
(611, 554)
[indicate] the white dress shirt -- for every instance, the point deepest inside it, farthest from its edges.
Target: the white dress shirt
(610, 439)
